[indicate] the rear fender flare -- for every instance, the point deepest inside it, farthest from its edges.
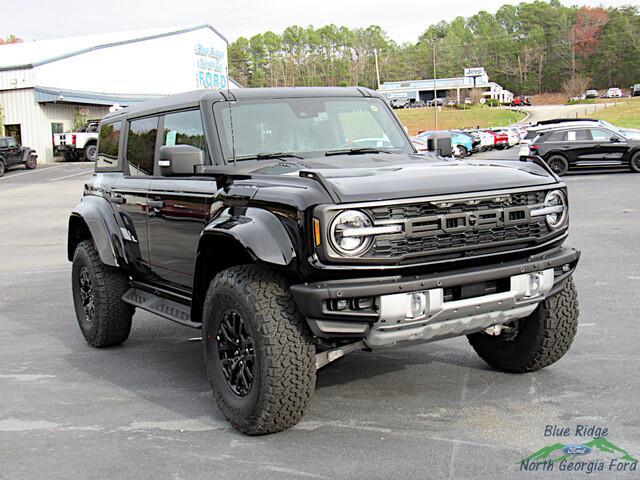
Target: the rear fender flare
(95, 214)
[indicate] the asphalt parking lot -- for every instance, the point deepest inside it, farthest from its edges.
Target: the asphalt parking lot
(144, 410)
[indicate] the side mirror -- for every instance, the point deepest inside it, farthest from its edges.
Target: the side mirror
(614, 139)
(179, 160)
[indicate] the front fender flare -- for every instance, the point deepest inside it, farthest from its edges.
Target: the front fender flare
(97, 215)
(260, 232)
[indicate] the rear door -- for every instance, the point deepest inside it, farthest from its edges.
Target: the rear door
(132, 189)
(579, 147)
(178, 206)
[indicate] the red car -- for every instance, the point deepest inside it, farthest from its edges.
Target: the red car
(521, 101)
(501, 139)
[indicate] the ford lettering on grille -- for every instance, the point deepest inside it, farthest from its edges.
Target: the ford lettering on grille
(468, 221)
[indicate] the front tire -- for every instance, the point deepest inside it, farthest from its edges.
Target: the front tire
(2, 168)
(258, 351)
(634, 164)
(462, 151)
(32, 163)
(104, 319)
(538, 340)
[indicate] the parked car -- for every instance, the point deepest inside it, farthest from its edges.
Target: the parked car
(591, 94)
(461, 143)
(475, 139)
(399, 103)
(521, 101)
(500, 139)
(418, 104)
(613, 93)
(584, 146)
(513, 137)
(295, 248)
(438, 102)
(81, 144)
(13, 154)
(635, 90)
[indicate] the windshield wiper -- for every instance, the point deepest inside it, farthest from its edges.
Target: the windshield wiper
(355, 151)
(267, 156)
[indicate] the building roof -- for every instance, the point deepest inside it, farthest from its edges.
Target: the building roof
(31, 54)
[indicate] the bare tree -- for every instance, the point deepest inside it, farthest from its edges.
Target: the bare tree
(575, 86)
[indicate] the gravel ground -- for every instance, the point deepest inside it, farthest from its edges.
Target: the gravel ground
(144, 410)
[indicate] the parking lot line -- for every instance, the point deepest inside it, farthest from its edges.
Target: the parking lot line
(31, 172)
(69, 176)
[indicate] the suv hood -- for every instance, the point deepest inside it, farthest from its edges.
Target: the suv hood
(357, 178)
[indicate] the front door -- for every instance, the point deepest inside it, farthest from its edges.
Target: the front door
(612, 147)
(178, 207)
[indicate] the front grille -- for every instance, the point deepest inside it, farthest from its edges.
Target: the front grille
(460, 227)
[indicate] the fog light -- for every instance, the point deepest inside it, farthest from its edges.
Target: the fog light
(341, 304)
(364, 303)
(534, 284)
(417, 305)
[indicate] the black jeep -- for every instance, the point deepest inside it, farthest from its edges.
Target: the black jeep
(12, 154)
(297, 225)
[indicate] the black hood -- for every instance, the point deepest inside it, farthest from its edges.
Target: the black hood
(358, 178)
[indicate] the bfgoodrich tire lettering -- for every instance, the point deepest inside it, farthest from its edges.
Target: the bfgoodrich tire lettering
(283, 370)
(541, 339)
(104, 319)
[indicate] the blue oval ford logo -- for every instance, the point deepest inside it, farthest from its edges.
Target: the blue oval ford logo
(576, 449)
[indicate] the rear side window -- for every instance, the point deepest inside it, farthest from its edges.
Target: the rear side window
(141, 145)
(108, 145)
(578, 135)
(557, 137)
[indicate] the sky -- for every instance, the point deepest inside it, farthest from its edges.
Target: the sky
(403, 21)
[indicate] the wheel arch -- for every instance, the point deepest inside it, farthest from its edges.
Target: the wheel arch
(256, 236)
(93, 219)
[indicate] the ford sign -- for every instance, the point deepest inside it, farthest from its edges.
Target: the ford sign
(576, 449)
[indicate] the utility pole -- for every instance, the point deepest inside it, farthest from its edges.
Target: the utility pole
(375, 54)
(435, 76)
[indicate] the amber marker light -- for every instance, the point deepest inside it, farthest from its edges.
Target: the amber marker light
(316, 232)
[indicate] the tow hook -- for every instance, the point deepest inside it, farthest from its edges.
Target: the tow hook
(494, 330)
(328, 356)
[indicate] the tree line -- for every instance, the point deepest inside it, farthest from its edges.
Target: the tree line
(528, 48)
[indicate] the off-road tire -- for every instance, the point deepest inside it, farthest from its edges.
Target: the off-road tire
(111, 322)
(542, 338)
(634, 163)
(31, 163)
(90, 152)
(558, 164)
(284, 372)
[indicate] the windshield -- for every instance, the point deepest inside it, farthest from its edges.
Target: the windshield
(308, 127)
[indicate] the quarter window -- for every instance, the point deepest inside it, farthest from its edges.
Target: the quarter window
(141, 145)
(184, 128)
(108, 145)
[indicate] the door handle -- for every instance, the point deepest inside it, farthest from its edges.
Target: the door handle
(155, 203)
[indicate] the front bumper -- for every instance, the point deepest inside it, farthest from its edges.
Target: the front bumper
(387, 322)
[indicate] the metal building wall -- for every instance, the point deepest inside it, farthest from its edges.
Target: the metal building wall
(35, 119)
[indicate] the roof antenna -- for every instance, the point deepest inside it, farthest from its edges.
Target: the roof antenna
(233, 140)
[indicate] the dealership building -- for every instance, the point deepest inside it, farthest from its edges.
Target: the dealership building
(456, 89)
(48, 86)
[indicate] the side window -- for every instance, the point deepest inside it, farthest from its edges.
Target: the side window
(557, 137)
(3, 143)
(600, 135)
(141, 145)
(108, 145)
(578, 135)
(184, 128)
(12, 142)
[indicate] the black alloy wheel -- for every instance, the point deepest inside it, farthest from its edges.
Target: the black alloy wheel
(237, 353)
(558, 164)
(86, 294)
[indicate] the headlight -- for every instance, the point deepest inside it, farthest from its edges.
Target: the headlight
(556, 209)
(345, 232)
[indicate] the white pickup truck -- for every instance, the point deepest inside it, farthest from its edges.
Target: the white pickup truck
(80, 144)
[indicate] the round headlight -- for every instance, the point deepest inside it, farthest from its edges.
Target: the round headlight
(344, 232)
(556, 203)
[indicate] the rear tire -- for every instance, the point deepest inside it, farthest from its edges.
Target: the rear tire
(69, 155)
(32, 163)
(258, 350)
(463, 151)
(539, 340)
(558, 164)
(90, 152)
(104, 319)
(634, 164)
(2, 168)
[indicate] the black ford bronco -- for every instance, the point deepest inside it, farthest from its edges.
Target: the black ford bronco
(297, 225)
